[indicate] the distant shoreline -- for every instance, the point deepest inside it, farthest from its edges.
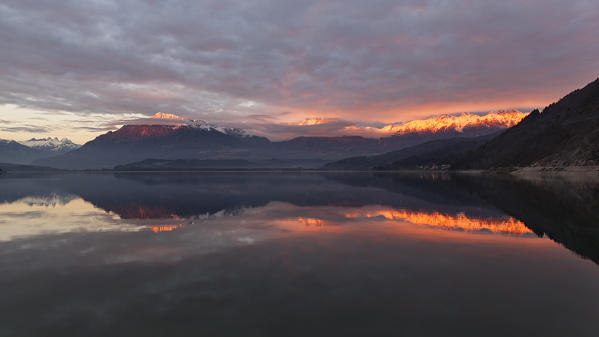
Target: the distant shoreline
(521, 171)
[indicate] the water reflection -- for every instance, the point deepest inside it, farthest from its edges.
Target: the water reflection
(297, 254)
(55, 214)
(170, 202)
(564, 210)
(164, 228)
(460, 221)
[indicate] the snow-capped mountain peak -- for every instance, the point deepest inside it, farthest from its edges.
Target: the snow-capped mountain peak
(52, 144)
(201, 124)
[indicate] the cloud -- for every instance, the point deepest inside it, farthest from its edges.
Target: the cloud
(28, 128)
(232, 61)
(94, 129)
(318, 126)
(161, 115)
(282, 131)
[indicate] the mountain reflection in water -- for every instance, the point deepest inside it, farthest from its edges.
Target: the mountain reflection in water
(295, 254)
(460, 221)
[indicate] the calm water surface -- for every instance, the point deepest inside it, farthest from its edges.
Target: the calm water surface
(229, 254)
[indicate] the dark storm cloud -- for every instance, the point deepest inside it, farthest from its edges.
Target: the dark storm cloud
(206, 58)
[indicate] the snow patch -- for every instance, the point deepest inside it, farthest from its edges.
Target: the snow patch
(51, 144)
(203, 125)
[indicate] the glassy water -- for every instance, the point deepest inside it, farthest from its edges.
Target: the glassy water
(251, 254)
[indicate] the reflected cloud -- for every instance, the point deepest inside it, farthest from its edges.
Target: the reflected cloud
(219, 244)
(35, 216)
(164, 228)
(309, 222)
(219, 211)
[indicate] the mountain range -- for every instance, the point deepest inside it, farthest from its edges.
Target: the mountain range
(16, 153)
(464, 123)
(28, 151)
(198, 140)
(565, 133)
(436, 154)
(50, 144)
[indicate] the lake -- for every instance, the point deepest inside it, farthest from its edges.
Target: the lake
(291, 254)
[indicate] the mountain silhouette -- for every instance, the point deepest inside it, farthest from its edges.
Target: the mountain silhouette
(15, 153)
(433, 154)
(202, 141)
(565, 133)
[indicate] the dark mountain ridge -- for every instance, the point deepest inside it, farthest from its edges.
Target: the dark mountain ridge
(13, 152)
(435, 154)
(137, 142)
(565, 133)
(217, 164)
(134, 143)
(20, 168)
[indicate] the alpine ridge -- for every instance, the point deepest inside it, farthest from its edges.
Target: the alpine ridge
(16, 153)
(51, 144)
(565, 133)
(200, 140)
(460, 123)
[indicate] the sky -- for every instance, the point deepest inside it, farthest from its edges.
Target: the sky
(77, 68)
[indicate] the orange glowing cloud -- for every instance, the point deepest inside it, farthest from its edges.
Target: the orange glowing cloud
(314, 121)
(312, 222)
(161, 115)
